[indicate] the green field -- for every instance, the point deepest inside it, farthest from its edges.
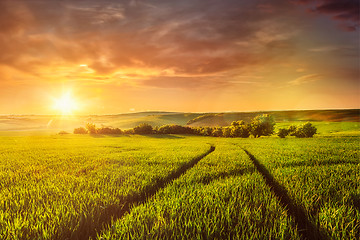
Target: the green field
(181, 187)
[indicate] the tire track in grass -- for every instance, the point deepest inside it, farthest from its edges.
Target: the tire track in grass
(306, 229)
(87, 230)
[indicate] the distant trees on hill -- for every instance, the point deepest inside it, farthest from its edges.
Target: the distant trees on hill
(260, 126)
(143, 128)
(173, 129)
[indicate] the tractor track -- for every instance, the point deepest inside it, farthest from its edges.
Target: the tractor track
(306, 229)
(87, 230)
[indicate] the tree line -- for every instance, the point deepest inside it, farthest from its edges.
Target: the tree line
(262, 125)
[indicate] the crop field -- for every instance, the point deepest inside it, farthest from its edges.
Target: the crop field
(61, 187)
(180, 187)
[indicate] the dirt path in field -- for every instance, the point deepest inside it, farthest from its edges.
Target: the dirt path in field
(88, 230)
(306, 229)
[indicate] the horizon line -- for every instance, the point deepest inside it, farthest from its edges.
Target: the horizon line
(175, 112)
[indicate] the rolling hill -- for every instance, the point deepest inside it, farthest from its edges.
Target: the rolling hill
(130, 120)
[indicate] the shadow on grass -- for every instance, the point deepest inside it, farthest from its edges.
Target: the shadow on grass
(356, 201)
(89, 226)
(306, 228)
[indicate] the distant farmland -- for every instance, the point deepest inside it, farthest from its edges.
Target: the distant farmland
(130, 120)
(173, 186)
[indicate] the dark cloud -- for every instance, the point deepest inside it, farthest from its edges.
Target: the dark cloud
(345, 11)
(194, 37)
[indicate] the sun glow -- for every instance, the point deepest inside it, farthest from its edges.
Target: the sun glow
(66, 104)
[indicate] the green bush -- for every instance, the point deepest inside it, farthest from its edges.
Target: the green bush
(240, 129)
(80, 130)
(262, 125)
(174, 129)
(217, 132)
(143, 128)
(306, 130)
(283, 132)
(226, 132)
(108, 130)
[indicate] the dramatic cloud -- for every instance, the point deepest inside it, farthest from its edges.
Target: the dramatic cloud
(162, 45)
(346, 11)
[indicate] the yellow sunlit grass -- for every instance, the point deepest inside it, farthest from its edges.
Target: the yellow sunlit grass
(65, 104)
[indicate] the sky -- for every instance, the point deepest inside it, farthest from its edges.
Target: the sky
(114, 56)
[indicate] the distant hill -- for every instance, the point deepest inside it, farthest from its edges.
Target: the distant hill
(130, 120)
(225, 119)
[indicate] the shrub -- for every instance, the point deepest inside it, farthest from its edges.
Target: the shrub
(262, 125)
(80, 130)
(91, 128)
(292, 130)
(217, 132)
(206, 131)
(283, 132)
(226, 132)
(107, 130)
(116, 131)
(174, 129)
(143, 128)
(240, 129)
(306, 130)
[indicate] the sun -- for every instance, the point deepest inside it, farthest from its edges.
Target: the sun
(65, 104)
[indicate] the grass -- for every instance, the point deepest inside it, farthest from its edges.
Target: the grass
(63, 186)
(147, 187)
(222, 197)
(321, 175)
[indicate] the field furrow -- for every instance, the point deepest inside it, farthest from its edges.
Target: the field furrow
(305, 227)
(222, 197)
(319, 174)
(68, 187)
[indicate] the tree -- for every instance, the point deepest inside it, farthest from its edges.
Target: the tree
(174, 129)
(143, 128)
(108, 130)
(80, 130)
(240, 129)
(292, 130)
(217, 132)
(262, 125)
(226, 132)
(91, 128)
(306, 130)
(283, 132)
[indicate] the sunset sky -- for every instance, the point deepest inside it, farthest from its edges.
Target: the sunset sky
(113, 56)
